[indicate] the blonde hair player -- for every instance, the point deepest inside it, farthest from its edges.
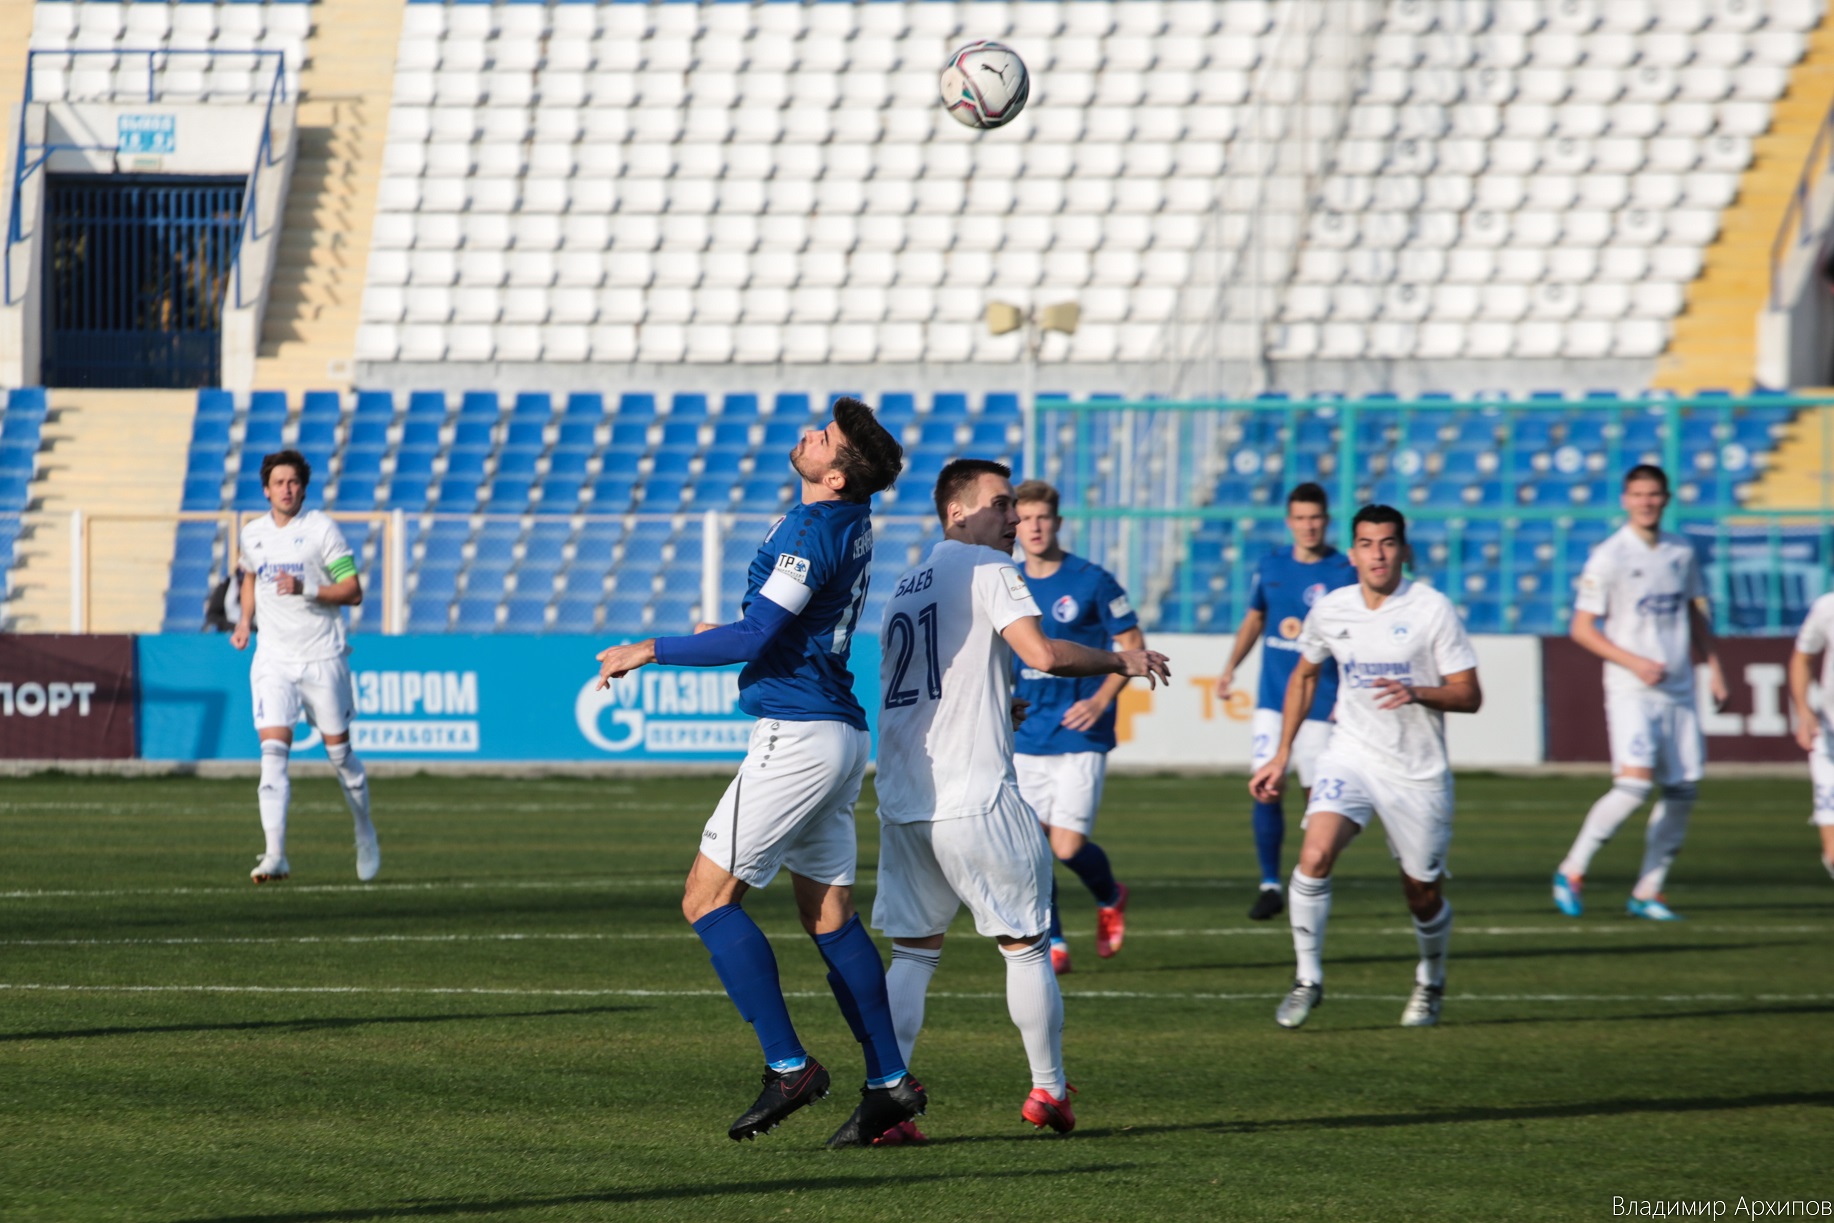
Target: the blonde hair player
(298, 573)
(1403, 663)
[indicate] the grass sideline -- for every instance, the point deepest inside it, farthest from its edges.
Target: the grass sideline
(514, 1023)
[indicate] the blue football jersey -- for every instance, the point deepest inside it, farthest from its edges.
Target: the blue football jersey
(1082, 603)
(803, 676)
(1284, 590)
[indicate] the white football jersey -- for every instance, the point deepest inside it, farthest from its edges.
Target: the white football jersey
(1415, 638)
(1641, 594)
(946, 685)
(292, 628)
(1817, 637)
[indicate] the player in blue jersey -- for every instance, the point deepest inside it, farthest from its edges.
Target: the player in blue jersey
(1061, 749)
(1286, 585)
(791, 805)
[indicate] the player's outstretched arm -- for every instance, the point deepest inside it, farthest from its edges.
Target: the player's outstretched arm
(1087, 712)
(1270, 778)
(1801, 675)
(744, 640)
(1588, 636)
(1253, 621)
(1460, 693)
(1067, 658)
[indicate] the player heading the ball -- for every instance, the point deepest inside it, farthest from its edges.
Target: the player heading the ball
(791, 805)
(955, 828)
(1404, 663)
(297, 574)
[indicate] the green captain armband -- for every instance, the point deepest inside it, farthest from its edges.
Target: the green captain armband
(341, 568)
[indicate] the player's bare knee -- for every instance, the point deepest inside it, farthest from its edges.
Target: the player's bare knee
(1014, 943)
(1066, 844)
(1424, 898)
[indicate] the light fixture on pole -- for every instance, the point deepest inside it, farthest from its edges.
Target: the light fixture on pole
(1004, 318)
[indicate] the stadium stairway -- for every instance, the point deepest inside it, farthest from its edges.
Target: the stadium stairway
(107, 452)
(312, 312)
(1798, 476)
(1715, 342)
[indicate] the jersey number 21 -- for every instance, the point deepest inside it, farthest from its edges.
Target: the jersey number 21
(902, 638)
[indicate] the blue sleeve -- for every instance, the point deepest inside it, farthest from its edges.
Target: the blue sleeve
(1109, 595)
(1257, 591)
(741, 641)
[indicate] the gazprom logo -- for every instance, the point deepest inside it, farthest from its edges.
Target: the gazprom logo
(660, 710)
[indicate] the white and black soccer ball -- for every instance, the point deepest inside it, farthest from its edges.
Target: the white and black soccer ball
(985, 85)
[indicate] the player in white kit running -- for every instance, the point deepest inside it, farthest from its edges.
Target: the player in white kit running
(1812, 724)
(297, 574)
(1403, 663)
(1642, 607)
(954, 828)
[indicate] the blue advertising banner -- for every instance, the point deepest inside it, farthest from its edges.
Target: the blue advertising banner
(1762, 578)
(451, 698)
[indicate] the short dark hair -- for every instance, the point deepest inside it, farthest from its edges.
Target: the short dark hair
(958, 475)
(1311, 494)
(1377, 515)
(1035, 491)
(1646, 471)
(871, 458)
(287, 458)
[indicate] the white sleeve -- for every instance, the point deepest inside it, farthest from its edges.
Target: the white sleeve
(1312, 644)
(1001, 591)
(1452, 651)
(334, 548)
(1813, 639)
(1594, 582)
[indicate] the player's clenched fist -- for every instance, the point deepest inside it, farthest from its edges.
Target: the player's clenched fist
(620, 660)
(1151, 664)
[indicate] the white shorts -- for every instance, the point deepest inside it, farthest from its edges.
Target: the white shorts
(791, 806)
(1821, 773)
(1064, 790)
(1313, 737)
(998, 864)
(1652, 731)
(1416, 815)
(322, 689)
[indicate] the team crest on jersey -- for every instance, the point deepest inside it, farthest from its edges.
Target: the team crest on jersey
(1313, 593)
(1289, 627)
(1399, 633)
(794, 566)
(1064, 610)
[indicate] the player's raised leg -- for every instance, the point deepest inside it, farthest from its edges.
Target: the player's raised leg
(1327, 834)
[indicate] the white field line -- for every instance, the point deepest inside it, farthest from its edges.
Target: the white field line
(670, 935)
(481, 991)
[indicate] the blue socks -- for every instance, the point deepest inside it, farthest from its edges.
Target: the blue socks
(747, 967)
(1091, 866)
(1270, 832)
(856, 974)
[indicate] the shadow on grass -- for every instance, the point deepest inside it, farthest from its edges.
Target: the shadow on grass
(326, 1023)
(436, 1209)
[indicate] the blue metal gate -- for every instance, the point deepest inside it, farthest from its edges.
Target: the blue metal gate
(137, 267)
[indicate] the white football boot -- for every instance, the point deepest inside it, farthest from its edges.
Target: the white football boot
(270, 868)
(369, 853)
(1422, 1009)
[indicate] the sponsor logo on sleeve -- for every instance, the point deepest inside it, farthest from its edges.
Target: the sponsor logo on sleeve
(1119, 606)
(1064, 610)
(793, 566)
(1015, 585)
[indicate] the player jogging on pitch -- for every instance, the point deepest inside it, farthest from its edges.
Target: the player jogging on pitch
(1286, 585)
(1812, 724)
(297, 573)
(955, 828)
(1645, 584)
(1404, 663)
(1063, 744)
(791, 805)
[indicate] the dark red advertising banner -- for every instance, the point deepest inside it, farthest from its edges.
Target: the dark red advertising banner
(66, 697)
(1754, 727)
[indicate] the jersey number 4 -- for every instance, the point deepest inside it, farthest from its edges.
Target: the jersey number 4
(902, 638)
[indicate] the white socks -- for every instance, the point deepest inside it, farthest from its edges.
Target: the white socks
(275, 791)
(1602, 822)
(1036, 1007)
(907, 983)
(354, 781)
(1308, 907)
(1433, 936)
(1668, 827)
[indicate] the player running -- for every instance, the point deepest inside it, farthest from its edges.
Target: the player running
(1063, 744)
(1646, 584)
(1286, 585)
(1812, 724)
(297, 573)
(1405, 663)
(791, 805)
(955, 828)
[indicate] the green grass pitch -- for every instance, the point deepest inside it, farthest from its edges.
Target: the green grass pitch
(514, 1022)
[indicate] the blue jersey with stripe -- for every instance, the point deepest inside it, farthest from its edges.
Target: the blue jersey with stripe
(1284, 591)
(1083, 603)
(803, 675)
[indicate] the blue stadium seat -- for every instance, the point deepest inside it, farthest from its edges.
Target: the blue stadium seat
(429, 613)
(205, 430)
(479, 406)
(948, 405)
(576, 614)
(674, 614)
(610, 494)
(762, 493)
(637, 405)
(739, 406)
(792, 404)
(688, 406)
(265, 404)
(672, 463)
(584, 580)
(427, 405)
(474, 434)
(565, 463)
(1002, 405)
(467, 462)
(415, 461)
(580, 435)
(532, 405)
(375, 405)
(367, 434)
(408, 492)
(248, 494)
(680, 435)
(458, 494)
(262, 435)
(202, 492)
(318, 432)
(624, 615)
(584, 406)
(496, 542)
(722, 463)
(510, 495)
(526, 435)
(355, 492)
(781, 434)
(664, 494)
(421, 433)
(525, 613)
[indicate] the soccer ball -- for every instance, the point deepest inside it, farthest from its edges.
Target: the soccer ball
(985, 85)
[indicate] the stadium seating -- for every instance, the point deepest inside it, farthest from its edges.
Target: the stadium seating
(207, 51)
(1512, 180)
(21, 425)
